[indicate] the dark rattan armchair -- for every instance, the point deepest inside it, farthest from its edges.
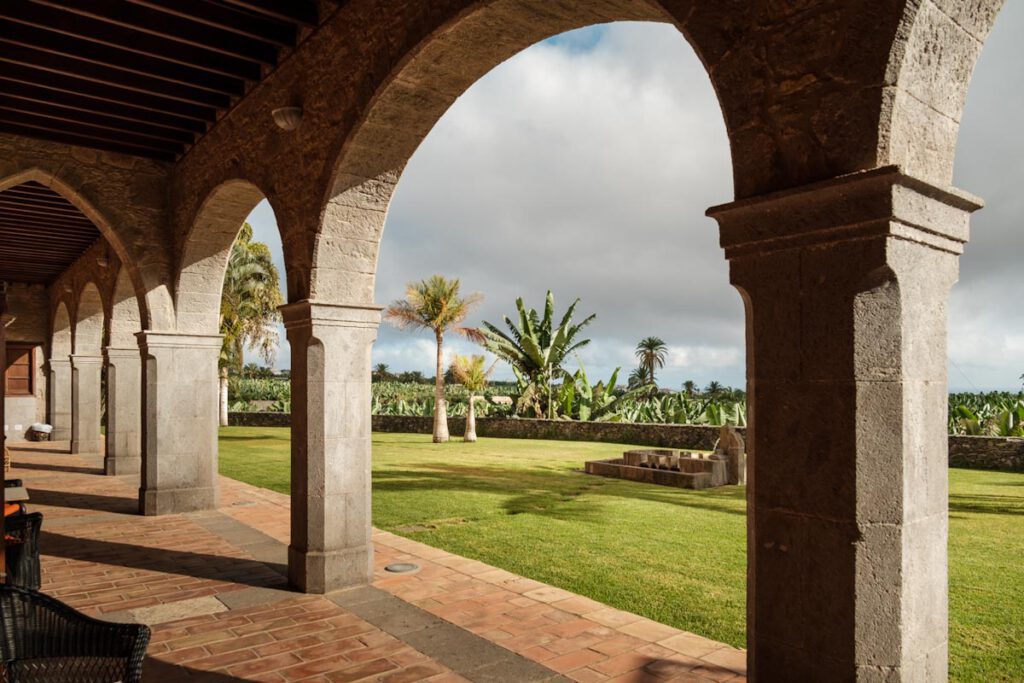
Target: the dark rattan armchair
(44, 640)
(22, 549)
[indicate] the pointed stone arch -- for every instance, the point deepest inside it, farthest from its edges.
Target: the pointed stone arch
(153, 294)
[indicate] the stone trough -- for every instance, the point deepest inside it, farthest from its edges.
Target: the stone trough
(682, 469)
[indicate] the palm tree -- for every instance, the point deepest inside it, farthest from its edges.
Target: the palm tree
(651, 352)
(435, 304)
(713, 389)
(382, 373)
(470, 373)
(690, 388)
(536, 348)
(248, 308)
(637, 378)
(249, 301)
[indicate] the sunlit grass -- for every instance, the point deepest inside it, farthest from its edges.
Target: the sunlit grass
(672, 555)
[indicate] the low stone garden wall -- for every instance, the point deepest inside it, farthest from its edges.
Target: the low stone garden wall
(987, 452)
(980, 452)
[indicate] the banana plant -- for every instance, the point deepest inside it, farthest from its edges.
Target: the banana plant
(536, 348)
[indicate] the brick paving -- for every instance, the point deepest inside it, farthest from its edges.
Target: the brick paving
(220, 614)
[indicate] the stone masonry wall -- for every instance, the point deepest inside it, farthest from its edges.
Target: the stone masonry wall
(987, 452)
(980, 452)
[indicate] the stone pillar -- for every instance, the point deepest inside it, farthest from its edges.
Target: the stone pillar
(124, 411)
(86, 404)
(845, 285)
(59, 394)
(179, 422)
(330, 535)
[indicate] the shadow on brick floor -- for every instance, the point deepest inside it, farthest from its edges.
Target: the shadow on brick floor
(165, 560)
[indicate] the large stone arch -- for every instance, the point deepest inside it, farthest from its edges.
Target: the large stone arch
(205, 254)
(808, 93)
(407, 106)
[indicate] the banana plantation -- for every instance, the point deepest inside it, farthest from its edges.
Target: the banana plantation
(971, 414)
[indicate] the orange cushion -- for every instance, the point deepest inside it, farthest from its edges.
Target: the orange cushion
(11, 509)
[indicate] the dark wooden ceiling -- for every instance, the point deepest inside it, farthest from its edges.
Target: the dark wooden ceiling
(41, 234)
(141, 77)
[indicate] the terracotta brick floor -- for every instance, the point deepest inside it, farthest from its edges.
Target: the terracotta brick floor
(210, 585)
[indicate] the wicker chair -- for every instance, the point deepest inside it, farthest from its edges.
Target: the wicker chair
(22, 549)
(44, 640)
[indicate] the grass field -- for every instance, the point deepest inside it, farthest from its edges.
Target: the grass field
(672, 555)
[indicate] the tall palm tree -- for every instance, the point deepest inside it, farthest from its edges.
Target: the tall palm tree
(690, 388)
(248, 308)
(651, 352)
(435, 304)
(713, 389)
(536, 348)
(249, 302)
(470, 373)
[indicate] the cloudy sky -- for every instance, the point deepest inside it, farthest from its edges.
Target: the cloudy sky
(584, 165)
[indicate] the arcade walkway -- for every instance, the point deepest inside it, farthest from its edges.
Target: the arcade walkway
(211, 586)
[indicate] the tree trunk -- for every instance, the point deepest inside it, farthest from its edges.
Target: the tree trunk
(471, 419)
(440, 411)
(223, 397)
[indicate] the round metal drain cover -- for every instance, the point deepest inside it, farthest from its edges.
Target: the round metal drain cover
(401, 568)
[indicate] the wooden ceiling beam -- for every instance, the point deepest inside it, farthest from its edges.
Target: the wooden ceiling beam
(57, 114)
(45, 63)
(97, 53)
(94, 132)
(81, 103)
(186, 32)
(36, 219)
(297, 11)
(73, 138)
(94, 30)
(109, 93)
(279, 33)
(20, 202)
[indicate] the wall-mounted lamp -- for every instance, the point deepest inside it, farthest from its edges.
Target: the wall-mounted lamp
(287, 118)
(102, 261)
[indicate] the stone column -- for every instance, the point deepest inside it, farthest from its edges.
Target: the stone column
(86, 404)
(330, 535)
(124, 411)
(59, 394)
(845, 285)
(179, 422)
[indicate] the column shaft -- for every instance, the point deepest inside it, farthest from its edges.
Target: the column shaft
(179, 422)
(86, 404)
(124, 411)
(845, 285)
(59, 394)
(330, 536)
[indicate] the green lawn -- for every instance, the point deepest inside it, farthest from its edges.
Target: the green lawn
(672, 555)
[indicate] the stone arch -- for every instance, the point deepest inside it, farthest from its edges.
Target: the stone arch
(928, 74)
(89, 317)
(60, 337)
(125, 314)
(405, 109)
(204, 258)
(154, 300)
